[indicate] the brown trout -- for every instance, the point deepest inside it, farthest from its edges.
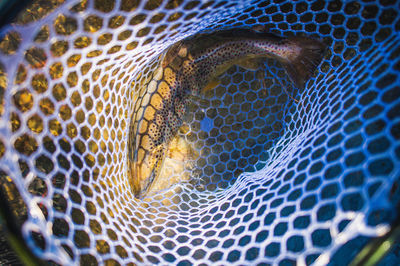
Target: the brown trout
(194, 65)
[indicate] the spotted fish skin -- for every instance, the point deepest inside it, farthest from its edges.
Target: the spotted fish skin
(189, 66)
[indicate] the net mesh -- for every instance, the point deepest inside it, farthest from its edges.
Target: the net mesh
(275, 180)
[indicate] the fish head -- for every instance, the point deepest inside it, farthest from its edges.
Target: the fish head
(145, 168)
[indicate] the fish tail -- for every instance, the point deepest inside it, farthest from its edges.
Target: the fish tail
(301, 67)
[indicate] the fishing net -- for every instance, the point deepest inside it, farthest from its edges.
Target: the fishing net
(280, 175)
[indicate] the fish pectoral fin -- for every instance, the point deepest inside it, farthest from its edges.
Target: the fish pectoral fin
(178, 157)
(250, 63)
(157, 156)
(211, 85)
(181, 150)
(221, 69)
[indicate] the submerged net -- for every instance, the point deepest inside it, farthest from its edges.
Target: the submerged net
(275, 179)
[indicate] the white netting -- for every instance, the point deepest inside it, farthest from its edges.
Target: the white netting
(276, 181)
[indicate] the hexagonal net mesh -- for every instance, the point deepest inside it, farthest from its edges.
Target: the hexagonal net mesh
(275, 179)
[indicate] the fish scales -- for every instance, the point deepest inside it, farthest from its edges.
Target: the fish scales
(186, 68)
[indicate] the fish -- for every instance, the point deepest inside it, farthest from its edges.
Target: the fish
(192, 66)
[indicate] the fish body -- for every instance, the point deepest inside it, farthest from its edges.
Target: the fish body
(190, 66)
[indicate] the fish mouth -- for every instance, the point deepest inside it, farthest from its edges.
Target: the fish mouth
(161, 169)
(142, 181)
(144, 174)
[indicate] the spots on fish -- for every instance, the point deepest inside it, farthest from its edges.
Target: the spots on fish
(169, 76)
(154, 132)
(160, 119)
(164, 90)
(180, 108)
